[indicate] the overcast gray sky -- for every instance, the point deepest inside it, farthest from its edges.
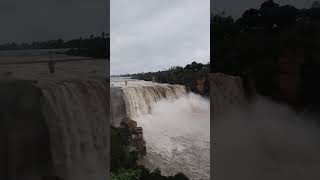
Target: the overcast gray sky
(29, 20)
(236, 7)
(152, 35)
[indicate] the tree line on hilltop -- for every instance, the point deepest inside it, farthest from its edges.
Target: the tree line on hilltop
(188, 76)
(96, 46)
(251, 45)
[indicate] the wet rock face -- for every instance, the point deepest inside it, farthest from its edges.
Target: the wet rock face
(117, 106)
(128, 123)
(200, 86)
(135, 138)
(225, 90)
(137, 143)
(25, 146)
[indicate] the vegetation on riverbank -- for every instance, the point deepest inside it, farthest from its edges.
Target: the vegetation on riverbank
(142, 173)
(252, 45)
(192, 75)
(93, 46)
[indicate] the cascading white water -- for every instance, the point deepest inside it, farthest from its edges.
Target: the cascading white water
(77, 114)
(178, 136)
(139, 99)
(176, 127)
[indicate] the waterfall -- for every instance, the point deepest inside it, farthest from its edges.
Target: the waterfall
(77, 114)
(177, 135)
(139, 99)
(176, 126)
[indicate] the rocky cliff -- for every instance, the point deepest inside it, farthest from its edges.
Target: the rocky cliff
(225, 90)
(117, 106)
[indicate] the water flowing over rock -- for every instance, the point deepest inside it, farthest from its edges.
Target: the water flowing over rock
(131, 98)
(54, 130)
(54, 125)
(175, 126)
(140, 99)
(128, 102)
(77, 116)
(25, 151)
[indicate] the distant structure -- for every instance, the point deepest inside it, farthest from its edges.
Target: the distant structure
(153, 79)
(51, 63)
(51, 66)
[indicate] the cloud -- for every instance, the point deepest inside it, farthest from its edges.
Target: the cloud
(150, 35)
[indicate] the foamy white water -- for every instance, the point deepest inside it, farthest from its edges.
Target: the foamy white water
(141, 95)
(176, 126)
(178, 136)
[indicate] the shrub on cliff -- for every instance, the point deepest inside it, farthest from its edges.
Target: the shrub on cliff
(156, 175)
(126, 174)
(142, 173)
